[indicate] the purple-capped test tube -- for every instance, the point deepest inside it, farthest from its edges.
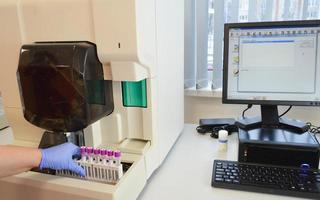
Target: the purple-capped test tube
(117, 158)
(90, 154)
(89, 150)
(109, 156)
(83, 152)
(103, 154)
(96, 153)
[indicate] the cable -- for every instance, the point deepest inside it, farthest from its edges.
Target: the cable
(1, 129)
(313, 129)
(285, 112)
(249, 106)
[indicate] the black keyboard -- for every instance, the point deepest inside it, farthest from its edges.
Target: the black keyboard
(266, 178)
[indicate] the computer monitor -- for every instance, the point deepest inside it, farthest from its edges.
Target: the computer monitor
(271, 64)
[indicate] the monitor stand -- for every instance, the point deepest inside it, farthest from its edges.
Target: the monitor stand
(270, 119)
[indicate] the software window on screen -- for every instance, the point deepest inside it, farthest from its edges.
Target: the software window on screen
(274, 64)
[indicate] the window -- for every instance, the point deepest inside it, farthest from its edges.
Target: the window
(207, 38)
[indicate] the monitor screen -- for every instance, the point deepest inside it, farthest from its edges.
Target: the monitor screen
(272, 63)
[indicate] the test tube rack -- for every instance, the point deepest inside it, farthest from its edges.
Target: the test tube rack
(100, 165)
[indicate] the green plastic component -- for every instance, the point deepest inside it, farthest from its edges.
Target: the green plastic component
(134, 93)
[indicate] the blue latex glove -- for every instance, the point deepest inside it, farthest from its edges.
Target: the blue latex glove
(60, 157)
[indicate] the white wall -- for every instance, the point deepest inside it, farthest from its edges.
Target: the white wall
(209, 107)
(3, 120)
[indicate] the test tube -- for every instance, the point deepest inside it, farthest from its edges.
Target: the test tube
(96, 170)
(90, 161)
(110, 165)
(103, 164)
(117, 158)
(96, 153)
(83, 162)
(90, 154)
(83, 151)
(223, 140)
(103, 154)
(117, 165)
(110, 157)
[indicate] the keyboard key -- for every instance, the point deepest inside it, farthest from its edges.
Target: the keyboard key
(219, 179)
(220, 173)
(236, 181)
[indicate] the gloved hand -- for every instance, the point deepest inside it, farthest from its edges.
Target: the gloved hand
(60, 157)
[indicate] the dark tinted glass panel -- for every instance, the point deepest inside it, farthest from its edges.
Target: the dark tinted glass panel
(95, 91)
(62, 87)
(51, 92)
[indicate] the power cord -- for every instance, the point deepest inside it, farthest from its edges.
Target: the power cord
(215, 130)
(314, 130)
(249, 106)
(285, 112)
(1, 129)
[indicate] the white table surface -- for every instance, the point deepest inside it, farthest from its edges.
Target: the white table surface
(186, 172)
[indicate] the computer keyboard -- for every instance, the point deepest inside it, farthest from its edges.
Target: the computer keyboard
(266, 178)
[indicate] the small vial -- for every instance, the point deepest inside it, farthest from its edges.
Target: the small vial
(90, 154)
(96, 153)
(117, 158)
(96, 168)
(110, 165)
(84, 161)
(83, 151)
(110, 157)
(118, 172)
(90, 161)
(103, 154)
(103, 164)
(223, 140)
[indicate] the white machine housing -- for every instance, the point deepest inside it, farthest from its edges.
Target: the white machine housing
(136, 40)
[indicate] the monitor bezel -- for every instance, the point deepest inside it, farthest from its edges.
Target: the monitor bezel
(227, 27)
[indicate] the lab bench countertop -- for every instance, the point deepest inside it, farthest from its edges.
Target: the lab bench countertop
(186, 172)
